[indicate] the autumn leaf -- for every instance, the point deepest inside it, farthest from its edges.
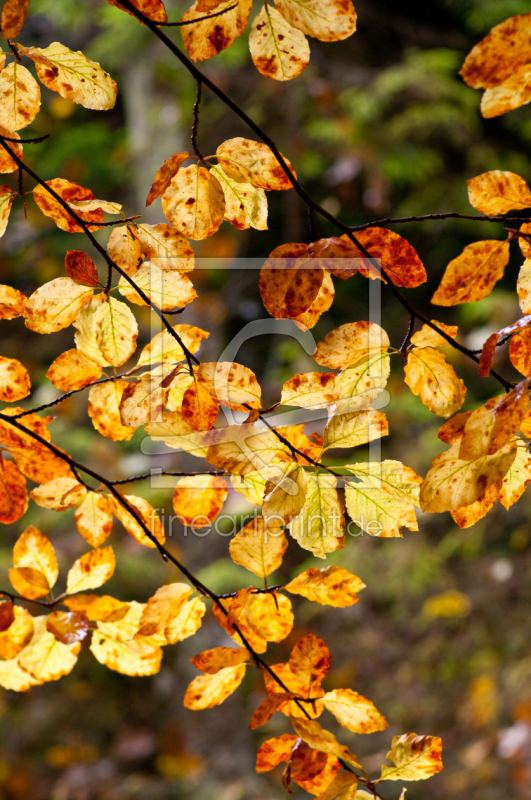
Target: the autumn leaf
(154, 9)
(433, 380)
(110, 645)
(467, 516)
(352, 430)
(268, 707)
(428, 337)
(493, 425)
(488, 354)
(517, 478)
(187, 622)
(258, 548)
(349, 343)
(71, 193)
(166, 289)
(28, 582)
(45, 658)
(211, 661)
(331, 586)
(320, 739)
(198, 407)
(243, 449)
(278, 50)
(20, 97)
(325, 20)
(73, 76)
(398, 258)
(94, 518)
(91, 570)
(414, 757)
(68, 627)
(198, 499)
(81, 268)
(72, 370)
(354, 711)
(194, 202)
(164, 175)
(7, 163)
(472, 275)
(144, 400)
(165, 247)
(382, 501)
(285, 494)
(497, 192)
(16, 637)
(208, 38)
(245, 205)
(275, 751)
(13, 493)
(33, 549)
(104, 410)
(269, 616)
(98, 608)
(161, 609)
(59, 494)
(55, 305)
(359, 385)
(148, 515)
(246, 161)
(165, 349)
(311, 769)
(233, 385)
(116, 331)
(6, 201)
(14, 15)
(208, 691)
(14, 380)
(12, 302)
(319, 526)
(309, 390)
(124, 248)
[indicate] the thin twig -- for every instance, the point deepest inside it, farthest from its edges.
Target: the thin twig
(195, 125)
(193, 21)
(427, 217)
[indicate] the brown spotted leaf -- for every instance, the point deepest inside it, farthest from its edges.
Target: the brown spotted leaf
(472, 275)
(164, 175)
(278, 50)
(209, 37)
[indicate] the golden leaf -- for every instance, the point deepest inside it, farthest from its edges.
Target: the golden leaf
(285, 494)
(144, 400)
(33, 549)
(165, 247)
(251, 486)
(198, 499)
(59, 494)
(68, 627)
(165, 349)
(116, 331)
(427, 337)
(73, 76)
(327, 20)
(14, 15)
(45, 658)
(98, 608)
(245, 205)
(207, 691)
(199, 408)
(488, 354)
(523, 286)
(275, 751)
(258, 548)
(309, 390)
(211, 661)
(28, 582)
(94, 519)
(14, 380)
(493, 425)
(244, 449)
(320, 739)
(146, 512)
(175, 432)
(71, 193)
(357, 386)
(6, 201)
(164, 175)
(161, 609)
(7, 163)
(278, 50)
(194, 202)
(516, 478)
(20, 97)
(497, 192)
(12, 302)
(154, 9)
(349, 343)
(124, 248)
(269, 616)
(472, 275)
(433, 380)
(17, 636)
(187, 621)
(91, 570)
(166, 289)
(109, 645)
(398, 258)
(55, 305)
(520, 351)
(13, 677)
(319, 526)
(414, 757)
(331, 586)
(469, 515)
(209, 37)
(104, 410)
(267, 708)
(73, 370)
(354, 711)
(251, 162)
(233, 385)
(352, 430)
(13, 493)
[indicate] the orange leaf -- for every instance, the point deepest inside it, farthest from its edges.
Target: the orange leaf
(275, 751)
(487, 355)
(13, 493)
(211, 661)
(398, 258)
(71, 193)
(199, 408)
(472, 275)
(267, 708)
(68, 627)
(81, 268)
(164, 175)
(73, 370)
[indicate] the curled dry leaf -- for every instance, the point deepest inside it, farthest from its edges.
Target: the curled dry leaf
(452, 483)
(414, 757)
(72, 370)
(81, 268)
(14, 15)
(497, 192)
(71, 193)
(55, 305)
(198, 499)
(211, 661)
(20, 97)
(13, 493)
(251, 162)
(331, 586)
(327, 20)
(310, 768)
(6, 201)
(452, 430)
(164, 175)
(472, 275)
(194, 202)
(349, 343)
(104, 410)
(68, 627)
(504, 72)
(14, 380)
(208, 691)
(433, 380)
(278, 50)
(208, 38)
(91, 570)
(94, 518)
(245, 205)
(258, 548)
(59, 494)
(146, 512)
(73, 76)
(12, 302)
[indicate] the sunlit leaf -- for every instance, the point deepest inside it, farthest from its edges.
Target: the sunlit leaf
(414, 757)
(278, 50)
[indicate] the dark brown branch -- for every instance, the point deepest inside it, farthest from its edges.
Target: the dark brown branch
(447, 215)
(195, 125)
(28, 141)
(407, 338)
(155, 474)
(193, 21)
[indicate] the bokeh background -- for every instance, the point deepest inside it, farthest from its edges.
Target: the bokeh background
(440, 640)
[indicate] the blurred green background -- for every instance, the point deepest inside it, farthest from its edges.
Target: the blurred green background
(377, 125)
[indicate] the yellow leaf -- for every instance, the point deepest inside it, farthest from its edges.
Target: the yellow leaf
(434, 381)
(211, 661)
(349, 343)
(166, 289)
(85, 337)
(199, 408)
(194, 202)
(469, 515)
(472, 275)
(165, 247)
(523, 286)
(110, 646)
(104, 410)
(285, 495)
(116, 331)
(13, 493)
(327, 20)
(319, 526)
(13, 677)
(177, 390)
(55, 305)
(33, 549)
(309, 390)
(207, 691)
(98, 608)
(245, 206)
(91, 570)
(236, 615)
(493, 425)
(252, 486)
(208, 38)
(198, 499)
(94, 519)
(258, 548)
(497, 192)
(244, 449)
(246, 161)
(12, 302)
(415, 758)
(20, 97)
(165, 349)
(452, 483)
(73, 370)
(427, 337)
(233, 385)
(17, 636)
(320, 739)
(354, 711)
(28, 582)
(45, 658)
(6, 201)
(161, 609)
(124, 248)
(187, 621)
(14, 380)
(343, 787)
(268, 707)
(73, 76)
(147, 514)
(59, 494)
(352, 430)
(331, 586)
(144, 400)
(270, 617)
(176, 432)
(517, 477)
(278, 50)
(357, 386)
